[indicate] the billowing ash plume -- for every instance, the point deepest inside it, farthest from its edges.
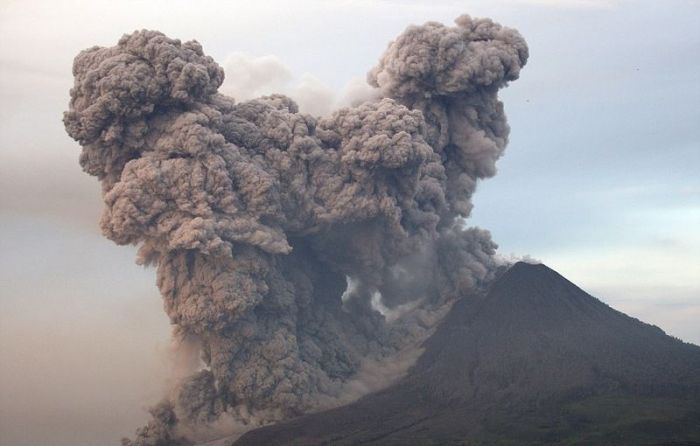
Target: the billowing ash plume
(258, 216)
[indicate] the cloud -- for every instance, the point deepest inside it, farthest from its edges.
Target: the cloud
(249, 77)
(255, 213)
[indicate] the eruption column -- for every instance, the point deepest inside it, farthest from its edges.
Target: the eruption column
(256, 215)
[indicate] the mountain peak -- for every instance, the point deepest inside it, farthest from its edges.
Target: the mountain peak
(531, 272)
(534, 295)
(534, 346)
(523, 265)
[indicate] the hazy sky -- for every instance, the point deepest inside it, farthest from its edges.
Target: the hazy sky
(600, 181)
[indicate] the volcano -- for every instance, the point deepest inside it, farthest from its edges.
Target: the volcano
(533, 360)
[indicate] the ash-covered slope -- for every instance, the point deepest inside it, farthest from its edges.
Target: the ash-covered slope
(534, 361)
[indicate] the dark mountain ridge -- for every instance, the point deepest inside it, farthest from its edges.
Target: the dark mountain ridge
(535, 360)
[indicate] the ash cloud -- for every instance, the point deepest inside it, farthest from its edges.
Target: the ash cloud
(257, 216)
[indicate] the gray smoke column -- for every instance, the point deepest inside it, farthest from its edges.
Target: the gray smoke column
(258, 216)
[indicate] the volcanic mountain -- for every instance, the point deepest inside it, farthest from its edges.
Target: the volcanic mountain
(534, 360)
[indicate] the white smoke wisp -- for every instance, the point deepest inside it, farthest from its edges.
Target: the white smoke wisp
(257, 216)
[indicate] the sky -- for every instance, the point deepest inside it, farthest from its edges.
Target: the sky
(600, 180)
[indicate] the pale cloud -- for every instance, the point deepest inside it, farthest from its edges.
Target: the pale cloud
(248, 77)
(313, 96)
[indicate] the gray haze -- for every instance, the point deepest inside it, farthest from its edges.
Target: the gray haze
(600, 178)
(257, 216)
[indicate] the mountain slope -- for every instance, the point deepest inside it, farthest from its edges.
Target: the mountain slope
(534, 361)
